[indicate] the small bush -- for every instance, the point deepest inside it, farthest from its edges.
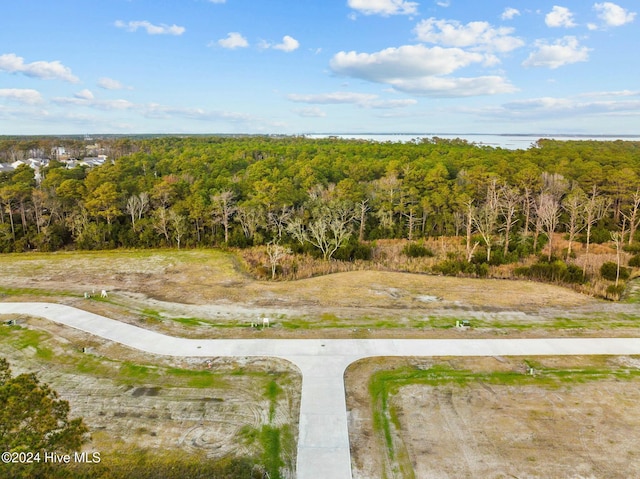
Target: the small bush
(608, 271)
(555, 271)
(615, 292)
(414, 250)
(456, 267)
(632, 248)
(600, 235)
(634, 262)
(354, 250)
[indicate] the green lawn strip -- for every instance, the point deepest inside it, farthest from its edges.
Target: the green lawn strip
(383, 385)
(73, 361)
(8, 291)
(592, 322)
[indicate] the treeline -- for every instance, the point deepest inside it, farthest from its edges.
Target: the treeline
(327, 197)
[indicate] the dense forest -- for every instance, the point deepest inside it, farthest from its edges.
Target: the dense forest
(329, 198)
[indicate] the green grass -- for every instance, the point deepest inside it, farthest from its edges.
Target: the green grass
(7, 291)
(124, 372)
(27, 338)
(632, 292)
(596, 322)
(198, 379)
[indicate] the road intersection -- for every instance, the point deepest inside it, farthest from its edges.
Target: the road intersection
(323, 442)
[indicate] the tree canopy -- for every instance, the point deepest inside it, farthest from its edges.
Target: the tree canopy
(33, 417)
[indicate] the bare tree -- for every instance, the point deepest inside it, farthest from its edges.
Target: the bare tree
(469, 214)
(634, 215)
(527, 208)
(508, 201)
(413, 221)
(362, 208)
(178, 225)
(136, 207)
(38, 199)
(485, 218)
(223, 209)
(618, 240)
(250, 219)
(573, 204)
(548, 211)
(276, 253)
(277, 219)
(594, 210)
(328, 229)
(161, 223)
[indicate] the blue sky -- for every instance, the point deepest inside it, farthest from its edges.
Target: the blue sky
(319, 66)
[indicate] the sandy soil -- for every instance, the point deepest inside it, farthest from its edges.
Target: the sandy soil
(574, 430)
(156, 412)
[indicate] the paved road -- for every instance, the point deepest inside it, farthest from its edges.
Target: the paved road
(323, 444)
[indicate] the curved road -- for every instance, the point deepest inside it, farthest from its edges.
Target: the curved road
(323, 444)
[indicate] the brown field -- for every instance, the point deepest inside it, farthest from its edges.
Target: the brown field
(569, 429)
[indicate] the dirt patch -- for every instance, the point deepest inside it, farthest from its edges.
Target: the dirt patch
(568, 429)
(132, 400)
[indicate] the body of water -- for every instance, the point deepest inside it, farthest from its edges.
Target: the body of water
(507, 141)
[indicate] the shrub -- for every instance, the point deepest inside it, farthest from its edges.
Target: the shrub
(632, 248)
(608, 271)
(554, 271)
(414, 250)
(354, 250)
(600, 235)
(453, 267)
(615, 292)
(635, 261)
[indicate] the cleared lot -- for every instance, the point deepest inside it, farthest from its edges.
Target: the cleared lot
(488, 417)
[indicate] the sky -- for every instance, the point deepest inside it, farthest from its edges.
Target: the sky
(319, 66)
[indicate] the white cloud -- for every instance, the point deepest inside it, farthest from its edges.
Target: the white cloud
(616, 93)
(153, 110)
(479, 35)
(55, 70)
(444, 3)
(21, 95)
(563, 52)
(406, 61)
(419, 70)
(509, 13)
(84, 95)
(332, 98)
(384, 7)
(559, 17)
(455, 87)
(613, 15)
(311, 112)
(151, 29)
(217, 1)
(91, 102)
(233, 40)
(111, 84)
(288, 44)
(364, 100)
(542, 108)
